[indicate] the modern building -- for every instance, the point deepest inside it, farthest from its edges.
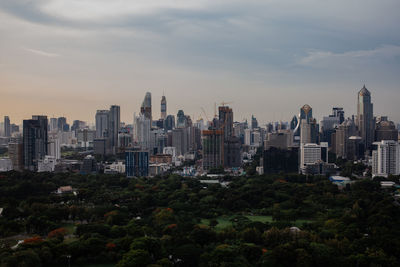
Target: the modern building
(365, 117)
(102, 117)
(181, 119)
(89, 165)
(312, 153)
(7, 126)
(145, 109)
(277, 160)
(213, 149)
(385, 130)
(282, 139)
(226, 120)
(137, 162)
(163, 107)
(343, 133)
(62, 124)
(85, 138)
(34, 141)
(254, 122)
(54, 147)
(53, 126)
(47, 164)
(180, 140)
(113, 128)
(142, 131)
(232, 152)
(169, 123)
(386, 158)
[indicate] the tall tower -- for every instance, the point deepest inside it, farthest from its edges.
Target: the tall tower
(365, 117)
(7, 126)
(163, 107)
(226, 120)
(146, 106)
(102, 117)
(114, 125)
(34, 141)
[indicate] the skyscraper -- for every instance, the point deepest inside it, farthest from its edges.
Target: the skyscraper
(163, 107)
(386, 158)
(213, 149)
(309, 129)
(34, 141)
(102, 117)
(137, 162)
(142, 131)
(146, 106)
(365, 117)
(180, 119)
(7, 126)
(114, 125)
(226, 121)
(254, 122)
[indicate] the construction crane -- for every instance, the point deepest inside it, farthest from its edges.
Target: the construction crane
(205, 113)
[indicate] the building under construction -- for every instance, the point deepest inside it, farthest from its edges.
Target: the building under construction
(213, 149)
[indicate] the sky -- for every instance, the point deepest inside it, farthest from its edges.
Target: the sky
(267, 58)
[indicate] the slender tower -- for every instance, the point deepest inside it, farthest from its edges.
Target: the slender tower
(163, 107)
(365, 117)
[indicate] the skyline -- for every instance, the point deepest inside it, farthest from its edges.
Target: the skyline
(156, 113)
(57, 61)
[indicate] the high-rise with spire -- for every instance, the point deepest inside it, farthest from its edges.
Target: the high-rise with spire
(365, 117)
(163, 107)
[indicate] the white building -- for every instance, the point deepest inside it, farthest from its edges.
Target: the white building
(54, 149)
(313, 153)
(170, 150)
(386, 158)
(6, 165)
(47, 164)
(114, 168)
(142, 131)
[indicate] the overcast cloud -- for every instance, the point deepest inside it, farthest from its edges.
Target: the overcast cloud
(71, 57)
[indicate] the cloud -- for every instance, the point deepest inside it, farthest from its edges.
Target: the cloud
(40, 52)
(325, 59)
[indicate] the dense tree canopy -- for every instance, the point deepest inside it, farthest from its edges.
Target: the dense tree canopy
(273, 220)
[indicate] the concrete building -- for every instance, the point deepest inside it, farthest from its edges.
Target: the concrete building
(180, 140)
(113, 128)
(7, 126)
(16, 154)
(142, 131)
(343, 133)
(145, 109)
(311, 154)
(47, 164)
(89, 165)
(102, 117)
(54, 148)
(6, 165)
(163, 107)
(85, 138)
(386, 158)
(385, 130)
(282, 140)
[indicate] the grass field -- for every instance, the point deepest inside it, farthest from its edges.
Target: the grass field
(225, 221)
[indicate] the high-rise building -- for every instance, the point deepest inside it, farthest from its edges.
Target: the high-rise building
(142, 131)
(385, 130)
(365, 117)
(226, 121)
(309, 129)
(213, 149)
(311, 154)
(163, 107)
(34, 141)
(181, 119)
(180, 140)
(169, 122)
(102, 117)
(306, 113)
(53, 125)
(338, 113)
(137, 162)
(62, 124)
(113, 128)
(54, 148)
(343, 133)
(146, 106)
(7, 126)
(16, 153)
(254, 122)
(386, 158)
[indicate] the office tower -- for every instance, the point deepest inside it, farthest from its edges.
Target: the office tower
(78, 125)
(365, 117)
(14, 128)
(16, 153)
(124, 140)
(282, 139)
(213, 149)
(146, 107)
(386, 158)
(142, 131)
(54, 148)
(254, 122)
(34, 141)
(163, 107)
(293, 123)
(53, 126)
(169, 123)
(137, 162)
(385, 130)
(232, 152)
(100, 146)
(85, 138)
(181, 119)
(114, 123)
(306, 113)
(7, 126)
(226, 121)
(102, 117)
(180, 140)
(312, 154)
(343, 133)
(62, 124)
(338, 113)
